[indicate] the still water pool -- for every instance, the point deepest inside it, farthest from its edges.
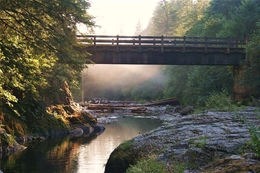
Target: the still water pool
(87, 154)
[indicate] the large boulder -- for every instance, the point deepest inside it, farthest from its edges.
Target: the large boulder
(76, 132)
(196, 139)
(89, 117)
(187, 110)
(121, 158)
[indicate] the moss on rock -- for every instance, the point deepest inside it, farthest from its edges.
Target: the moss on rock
(121, 158)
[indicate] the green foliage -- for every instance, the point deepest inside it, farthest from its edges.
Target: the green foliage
(200, 142)
(152, 165)
(222, 18)
(179, 167)
(193, 84)
(255, 138)
(254, 131)
(228, 18)
(126, 145)
(39, 51)
(148, 165)
(7, 140)
(177, 79)
(220, 101)
(176, 17)
(245, 18)
(217, 19)
(251, 78)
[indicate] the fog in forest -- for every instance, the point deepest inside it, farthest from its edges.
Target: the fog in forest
(117, 82)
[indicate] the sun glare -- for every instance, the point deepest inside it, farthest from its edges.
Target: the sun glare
(120, 17)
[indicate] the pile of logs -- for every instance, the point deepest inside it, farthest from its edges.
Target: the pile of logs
(170, 101)
(109, 108)
(127, 106)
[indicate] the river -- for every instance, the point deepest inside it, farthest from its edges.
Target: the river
(85, 154)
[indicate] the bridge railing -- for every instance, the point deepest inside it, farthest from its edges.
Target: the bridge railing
(163, 43)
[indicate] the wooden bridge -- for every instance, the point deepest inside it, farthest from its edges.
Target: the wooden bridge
(162, 50)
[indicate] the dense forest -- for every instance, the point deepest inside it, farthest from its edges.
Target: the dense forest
(194, 85)
(219, 18)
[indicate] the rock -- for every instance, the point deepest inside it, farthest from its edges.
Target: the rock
(2, 131)
(187, 110)
(30, 138)
(250, 156)
(87, 129)
(108, 120)
(98, 128)
(234, 163)
(235, 157)
(9, 144)
(197, 139)
(40, 138)
(178, 108)
(89, 117)
(76, 132)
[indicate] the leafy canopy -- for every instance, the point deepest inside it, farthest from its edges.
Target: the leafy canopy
(38, 45)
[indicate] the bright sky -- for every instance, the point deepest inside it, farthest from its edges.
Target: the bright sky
(120, 17)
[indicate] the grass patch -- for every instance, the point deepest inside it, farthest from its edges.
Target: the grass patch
(125, 145)
(201, 142)
(148, 165)
(152, 165)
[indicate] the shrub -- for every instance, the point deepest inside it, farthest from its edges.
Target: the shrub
(220, 101)
(148, 165)
(254, 131)
(255, 138)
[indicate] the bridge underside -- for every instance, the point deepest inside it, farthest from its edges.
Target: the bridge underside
(167, 58)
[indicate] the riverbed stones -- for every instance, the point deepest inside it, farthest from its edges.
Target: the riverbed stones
(196, 139)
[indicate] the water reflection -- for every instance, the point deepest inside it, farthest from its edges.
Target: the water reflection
(86, 154)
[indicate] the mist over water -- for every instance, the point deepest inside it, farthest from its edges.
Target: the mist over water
(118, 81)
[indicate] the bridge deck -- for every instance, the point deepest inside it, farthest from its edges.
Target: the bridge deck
(165, 50)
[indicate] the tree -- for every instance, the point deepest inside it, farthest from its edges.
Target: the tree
(138, 29)
(245, 18)
(177, 81)
(39, 50)
(161, 19)
(175, 17)
(251, 78)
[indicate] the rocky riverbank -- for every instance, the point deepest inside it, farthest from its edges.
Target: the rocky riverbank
(60, 120)
(207, 142)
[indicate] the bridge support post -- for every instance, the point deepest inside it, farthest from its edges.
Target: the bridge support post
(240, 92)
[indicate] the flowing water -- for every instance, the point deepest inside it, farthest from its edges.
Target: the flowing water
(87, 154)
